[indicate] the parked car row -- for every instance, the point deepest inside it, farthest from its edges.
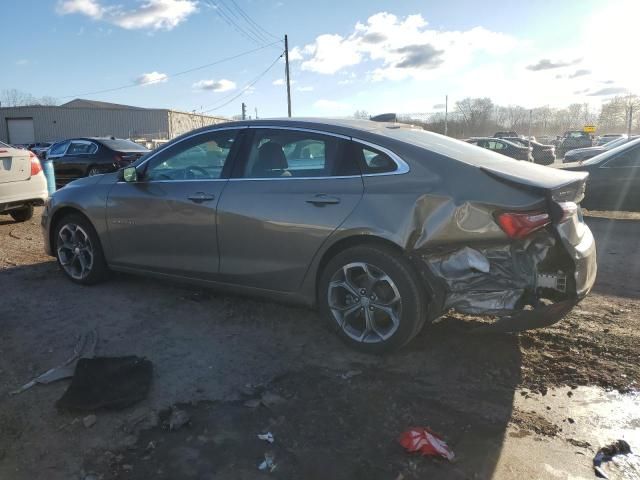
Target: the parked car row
(505, 147)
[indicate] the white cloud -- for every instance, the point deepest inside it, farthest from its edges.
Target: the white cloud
(150, 14)
(400, 48)
(151, 78)
(308, 88)
(22, 62)
(90, 8)
(222, 85)
(330, 106)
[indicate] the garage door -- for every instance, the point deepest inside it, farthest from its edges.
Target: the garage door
(20, 131)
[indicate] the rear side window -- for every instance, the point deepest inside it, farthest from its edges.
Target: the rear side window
(79, 148)
(373, 161)
(281, 153)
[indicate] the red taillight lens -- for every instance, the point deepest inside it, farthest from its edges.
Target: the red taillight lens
(519, 225)
(36, 168)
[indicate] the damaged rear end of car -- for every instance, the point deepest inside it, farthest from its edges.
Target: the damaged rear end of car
(493, 237)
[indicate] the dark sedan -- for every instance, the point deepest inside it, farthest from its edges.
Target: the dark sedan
(542, 154)
(383, 227)
(504, 147)
(581, 154)
(614, 178)
(574, 139)
(88, 156)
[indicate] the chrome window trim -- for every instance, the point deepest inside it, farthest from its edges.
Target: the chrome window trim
(80, 141)
(403, 167)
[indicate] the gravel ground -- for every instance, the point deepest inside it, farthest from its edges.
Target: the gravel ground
(240, 367)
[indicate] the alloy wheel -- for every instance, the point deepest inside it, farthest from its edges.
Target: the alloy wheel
(365, 302)
(75, 251)
(93, 171)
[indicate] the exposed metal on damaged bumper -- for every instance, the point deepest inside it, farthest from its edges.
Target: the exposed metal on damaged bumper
(503, 280)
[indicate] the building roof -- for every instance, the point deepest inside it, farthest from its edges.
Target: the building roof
(83, 103)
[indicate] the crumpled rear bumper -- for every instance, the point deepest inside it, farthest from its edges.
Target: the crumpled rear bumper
(511, 281)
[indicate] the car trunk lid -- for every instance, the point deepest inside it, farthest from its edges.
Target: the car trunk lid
(556, 185)
(15, 165)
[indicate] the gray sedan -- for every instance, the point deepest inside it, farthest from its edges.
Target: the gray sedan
(383, 227)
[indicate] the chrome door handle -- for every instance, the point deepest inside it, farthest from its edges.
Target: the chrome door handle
(323, 199)
(200, 197)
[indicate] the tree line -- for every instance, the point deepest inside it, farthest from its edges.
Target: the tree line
(481, 117)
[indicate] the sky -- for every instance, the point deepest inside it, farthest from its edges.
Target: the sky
(378, 56)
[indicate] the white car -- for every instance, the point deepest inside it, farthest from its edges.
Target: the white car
(22, 183)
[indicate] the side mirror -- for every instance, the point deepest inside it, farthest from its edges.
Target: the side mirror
(130, 174)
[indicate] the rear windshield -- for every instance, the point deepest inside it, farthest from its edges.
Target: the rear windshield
(123, 145)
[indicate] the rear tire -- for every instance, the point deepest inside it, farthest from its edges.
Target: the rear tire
(78, 250)
(373, 298)
(22, 214)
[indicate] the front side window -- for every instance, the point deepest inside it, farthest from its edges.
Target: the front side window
(197, 158)
(58, 149)
(281, 153)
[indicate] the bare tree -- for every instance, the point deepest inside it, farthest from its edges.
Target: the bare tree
(16, 98)
(362, 114)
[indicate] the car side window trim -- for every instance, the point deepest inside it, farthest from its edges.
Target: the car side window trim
(58, 155)
(82, 142)
(403, 167)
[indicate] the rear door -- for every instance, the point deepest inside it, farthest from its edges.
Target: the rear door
(76, 160)
(15, 164)
(291, 189)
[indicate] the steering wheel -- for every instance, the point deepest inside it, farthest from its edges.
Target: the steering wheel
(192, 169)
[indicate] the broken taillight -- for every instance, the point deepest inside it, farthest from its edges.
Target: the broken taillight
(519, 225)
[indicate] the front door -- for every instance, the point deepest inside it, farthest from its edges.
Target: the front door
(166, 221)
(291, 189)
(616, 184)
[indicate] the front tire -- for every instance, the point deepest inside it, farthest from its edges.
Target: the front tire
(22, 214)
(373, 298)
(79, 251)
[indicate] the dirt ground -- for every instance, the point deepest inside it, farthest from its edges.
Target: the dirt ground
(510, 406)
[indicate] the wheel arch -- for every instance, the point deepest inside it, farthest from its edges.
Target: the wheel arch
(60, 214)
(343, 244)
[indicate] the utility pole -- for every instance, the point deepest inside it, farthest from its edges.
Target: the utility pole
(244, 111)
(286, 69)
(446, 113)
(629, 125)
(256, 110)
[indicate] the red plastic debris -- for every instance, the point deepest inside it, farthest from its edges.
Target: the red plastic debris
(423, 440)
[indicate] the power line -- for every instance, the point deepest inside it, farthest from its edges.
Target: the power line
(250, 20)
(229, 21)
(245, 88)
(183, 72)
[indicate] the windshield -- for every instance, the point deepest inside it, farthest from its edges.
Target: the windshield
(610, 153)
(123, 145)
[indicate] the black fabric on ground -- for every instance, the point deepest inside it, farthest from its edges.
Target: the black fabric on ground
(107, 382)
